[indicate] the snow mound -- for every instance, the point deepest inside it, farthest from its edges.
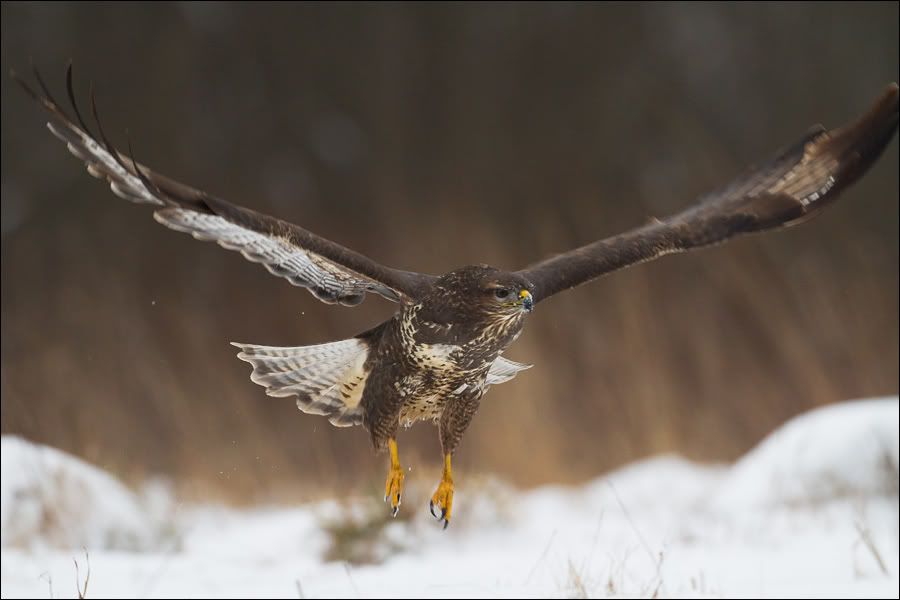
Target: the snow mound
(50, 498)
(847, 450)
(810, 512)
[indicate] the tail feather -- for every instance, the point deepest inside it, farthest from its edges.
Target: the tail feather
(327, 379)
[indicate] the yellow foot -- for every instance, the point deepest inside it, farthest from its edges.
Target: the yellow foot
(443, 496)
(393, 487)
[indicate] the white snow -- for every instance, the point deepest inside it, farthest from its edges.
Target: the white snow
(845, 450)
(50, 498)
(812, 511)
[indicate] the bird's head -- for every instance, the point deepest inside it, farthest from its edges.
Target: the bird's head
(479, 294)
(504, 293)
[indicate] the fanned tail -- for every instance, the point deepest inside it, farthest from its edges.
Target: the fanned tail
(327, 379)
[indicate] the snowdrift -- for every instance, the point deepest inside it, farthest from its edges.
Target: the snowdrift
(811, 511)
(50, 498)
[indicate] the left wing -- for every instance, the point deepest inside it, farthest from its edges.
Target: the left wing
(791, 188)
(328, 270)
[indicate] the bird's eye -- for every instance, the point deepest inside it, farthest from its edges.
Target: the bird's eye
(502, 293)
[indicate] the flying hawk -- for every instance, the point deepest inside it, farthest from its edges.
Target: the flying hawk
(439, 353)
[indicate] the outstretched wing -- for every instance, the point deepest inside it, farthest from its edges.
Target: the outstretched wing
(791, 188)
(328, 270)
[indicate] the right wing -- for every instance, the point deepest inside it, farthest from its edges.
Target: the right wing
(789, 189)
(331, 272)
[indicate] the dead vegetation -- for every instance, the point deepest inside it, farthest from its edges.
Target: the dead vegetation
(115, 331)
(357, 535)
(81, 585)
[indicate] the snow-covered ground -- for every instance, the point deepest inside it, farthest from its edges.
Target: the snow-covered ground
(812, 511)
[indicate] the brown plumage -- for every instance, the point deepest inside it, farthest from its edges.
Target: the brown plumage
(435, 358)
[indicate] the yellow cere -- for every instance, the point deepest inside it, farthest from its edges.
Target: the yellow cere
(524, 294)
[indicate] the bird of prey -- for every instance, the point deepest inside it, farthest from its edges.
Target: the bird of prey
(435, 358)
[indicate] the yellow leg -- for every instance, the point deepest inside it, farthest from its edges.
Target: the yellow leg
(393, 487)
(443, 496)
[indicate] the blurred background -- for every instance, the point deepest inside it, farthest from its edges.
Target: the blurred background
(429, 137)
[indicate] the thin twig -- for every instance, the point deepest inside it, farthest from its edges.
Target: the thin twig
(82, 592)
(350, 577)
(577, 582)
(541, 557)
(866, 537)
(49, 581)
(633, 525)
(657, 560)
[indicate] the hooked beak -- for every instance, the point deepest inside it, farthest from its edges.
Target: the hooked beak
(526, 300)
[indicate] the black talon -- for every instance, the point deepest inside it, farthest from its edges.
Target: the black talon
(446, 524)
(395, 510)
(399, 499)
(431, 509)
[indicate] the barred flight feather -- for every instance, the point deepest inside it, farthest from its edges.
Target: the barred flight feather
(327, 379)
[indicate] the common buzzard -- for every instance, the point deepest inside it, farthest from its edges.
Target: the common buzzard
(439, 353)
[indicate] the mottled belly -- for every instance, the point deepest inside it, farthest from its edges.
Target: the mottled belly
(435, 377)
(423, 408)
(425, 394)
